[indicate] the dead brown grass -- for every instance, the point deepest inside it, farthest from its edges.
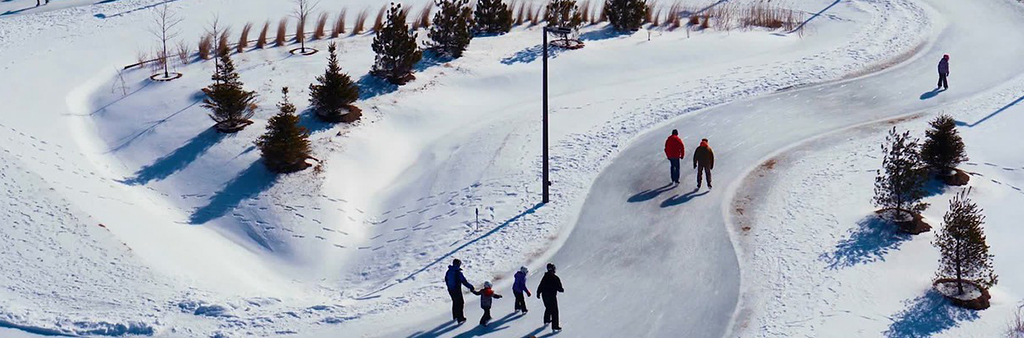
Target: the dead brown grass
(339, 25)
(585, 10)
(424, 20)
(300, 31)
(282, 33)
(243, 40)
(222, 42)
(768, 15)
(321, 27)
(360, 22)
(520, 15)
(261, 41)
(378, 21)
(649, 16)
(184, 51)
(205, 46)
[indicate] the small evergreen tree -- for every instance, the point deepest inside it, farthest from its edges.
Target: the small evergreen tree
(492, 17)
(961, 243)
(943, 149)
(285, 146)
(626, 15)
(563, 13)
(452, 29)
(333, 94)
(231, 105)
(900, 185)
(396, 48)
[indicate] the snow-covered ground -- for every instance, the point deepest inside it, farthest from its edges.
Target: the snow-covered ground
(821, 264)
(168, 228)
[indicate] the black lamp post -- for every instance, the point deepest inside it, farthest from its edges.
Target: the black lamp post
(561, 31)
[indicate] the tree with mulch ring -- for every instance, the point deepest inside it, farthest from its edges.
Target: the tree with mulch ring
(564, 14)
(899, 186)
(230, 104)
(285, 145)
(333, 94)
(396, 49)
(965, 267)
(943, 150)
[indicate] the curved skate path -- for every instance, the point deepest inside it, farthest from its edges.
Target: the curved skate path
(646, 260)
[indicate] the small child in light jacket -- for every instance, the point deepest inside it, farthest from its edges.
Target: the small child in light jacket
(486, 296)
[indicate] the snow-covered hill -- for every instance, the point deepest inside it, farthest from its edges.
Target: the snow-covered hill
(155, 224)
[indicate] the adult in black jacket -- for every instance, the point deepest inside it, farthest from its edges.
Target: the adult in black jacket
(454, 280)
(548, 290)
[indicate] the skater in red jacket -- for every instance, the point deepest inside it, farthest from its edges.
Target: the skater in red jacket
(674, 150)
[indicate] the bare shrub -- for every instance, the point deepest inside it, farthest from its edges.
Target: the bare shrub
(339, 25)
(261, 42)
(1016, 327)
(159, 62)
(183, 51)
(282, 33)
(378, 22)
(705, 23)
(360, 22)
(141, 57)
(205, 46)
(321, 27)
(243, 40)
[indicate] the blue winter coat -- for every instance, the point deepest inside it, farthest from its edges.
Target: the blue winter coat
(520, 282)
(454, 278)
(944, 66)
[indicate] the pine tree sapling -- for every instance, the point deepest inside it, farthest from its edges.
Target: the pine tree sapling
(563, 13)
(899, 187)
(943, 149)
(451, 31)
(334, 92)
(285, 145)
(961, 243)
(395, 48)
(492, 17)
(230, 105)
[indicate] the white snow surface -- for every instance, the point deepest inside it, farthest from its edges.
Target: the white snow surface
(125, 214)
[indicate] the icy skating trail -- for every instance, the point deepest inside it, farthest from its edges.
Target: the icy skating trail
(646, 260)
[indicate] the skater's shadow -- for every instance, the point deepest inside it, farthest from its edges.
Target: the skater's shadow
(649, 193)
(535, 332)
(928, 315)
(935, 92)
(437, 331)
(680, 199)
(492, 327)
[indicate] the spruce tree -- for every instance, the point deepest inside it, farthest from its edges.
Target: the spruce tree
(943, 149)
(285, 146)
(563, 13)
(626, 15)
(396, 48)
(492, 17)
(961, 243)
(333, 94)
(452, 29)
(231, 105)
(900, 185)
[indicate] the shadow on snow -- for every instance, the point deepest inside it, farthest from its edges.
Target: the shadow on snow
(249, 183)
(608, 32)
(177, 159)
(868, 242)
(650, 194)
(531, 54)
(927, 315)
(680, 199)
(933, 93)
(1000, 110)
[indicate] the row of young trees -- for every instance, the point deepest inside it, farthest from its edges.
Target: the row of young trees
(908, 165)
(285, 145)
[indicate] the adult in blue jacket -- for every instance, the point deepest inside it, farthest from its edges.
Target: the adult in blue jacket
(454, 280)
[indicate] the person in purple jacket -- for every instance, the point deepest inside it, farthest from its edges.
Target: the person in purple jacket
(519, 287)
(943, 72)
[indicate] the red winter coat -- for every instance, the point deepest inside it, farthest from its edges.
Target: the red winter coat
(674, 147)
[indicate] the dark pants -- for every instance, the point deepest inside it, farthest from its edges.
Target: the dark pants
(458, 303)
(486, 317)
(551, 310)
(942, 81)
(520, 301)
(674, 168)
(703, 170)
